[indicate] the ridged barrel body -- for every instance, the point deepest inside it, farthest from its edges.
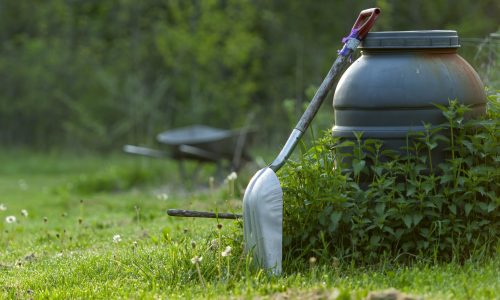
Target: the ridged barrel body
(393, 87)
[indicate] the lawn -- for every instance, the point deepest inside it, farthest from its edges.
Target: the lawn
(119, 243)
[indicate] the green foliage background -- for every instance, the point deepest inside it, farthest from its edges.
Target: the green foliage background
(96, 74)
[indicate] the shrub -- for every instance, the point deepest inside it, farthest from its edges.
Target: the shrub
(398, 205)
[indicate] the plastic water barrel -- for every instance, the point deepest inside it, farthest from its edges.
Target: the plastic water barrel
(392, 88)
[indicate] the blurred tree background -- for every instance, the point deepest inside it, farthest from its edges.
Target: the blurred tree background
(96, 74)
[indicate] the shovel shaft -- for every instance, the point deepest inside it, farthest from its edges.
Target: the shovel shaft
(201, 214)
(314, 106)
(363, 24)
(325, 88)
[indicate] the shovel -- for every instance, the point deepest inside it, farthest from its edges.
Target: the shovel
(263, 199)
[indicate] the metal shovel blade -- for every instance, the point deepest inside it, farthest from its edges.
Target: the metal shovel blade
(263, 219)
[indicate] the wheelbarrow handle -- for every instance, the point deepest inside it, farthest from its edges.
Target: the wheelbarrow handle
(365, 22)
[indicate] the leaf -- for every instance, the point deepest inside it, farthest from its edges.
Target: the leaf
(480, 190)
(411, 190)
(441, 107)
(389, 230)
(424, 232)
(446, 178)
(469, 146)
(428, 186)
(491, 207)
(483, 206)
(492, 196)
(453, 208)
(430, 204)
(378, 170)
(419, 168)
(417, 218)
(327, 210)
(379, 208)
(468, 208)
(345, 144)
(461, 181)
(431, 145)
(407, 220)
(358, 135)
(374, 240)
(357, 166)
(335, 218)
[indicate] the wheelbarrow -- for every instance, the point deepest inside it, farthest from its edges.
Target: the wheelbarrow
(202, 144)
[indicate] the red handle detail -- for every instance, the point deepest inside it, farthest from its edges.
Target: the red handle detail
(365, 21)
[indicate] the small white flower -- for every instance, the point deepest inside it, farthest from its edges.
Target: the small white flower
(196, 260)
(214, 244)
(233, 176)
(226, 251)
(24, 213)
(10, 219)
(117, 238)
(3, 207)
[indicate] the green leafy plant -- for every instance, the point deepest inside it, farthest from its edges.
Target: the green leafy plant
(367, 204)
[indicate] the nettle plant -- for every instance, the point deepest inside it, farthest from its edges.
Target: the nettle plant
(398, 204)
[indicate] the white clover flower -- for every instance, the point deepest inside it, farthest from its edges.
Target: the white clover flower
(117, 238)
(226, 251)
(233, 176)
(3, 207)
(24, 213)
(196, 260)
(10, 219)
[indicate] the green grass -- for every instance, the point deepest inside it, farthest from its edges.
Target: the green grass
(72, 253)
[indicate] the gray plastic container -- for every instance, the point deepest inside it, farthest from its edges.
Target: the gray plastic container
(392, 88)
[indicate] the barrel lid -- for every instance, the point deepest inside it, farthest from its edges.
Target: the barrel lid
(411, 39)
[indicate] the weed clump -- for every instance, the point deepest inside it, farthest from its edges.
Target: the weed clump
(397, 205)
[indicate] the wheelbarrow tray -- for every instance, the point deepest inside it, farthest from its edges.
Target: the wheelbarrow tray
(202, 142)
